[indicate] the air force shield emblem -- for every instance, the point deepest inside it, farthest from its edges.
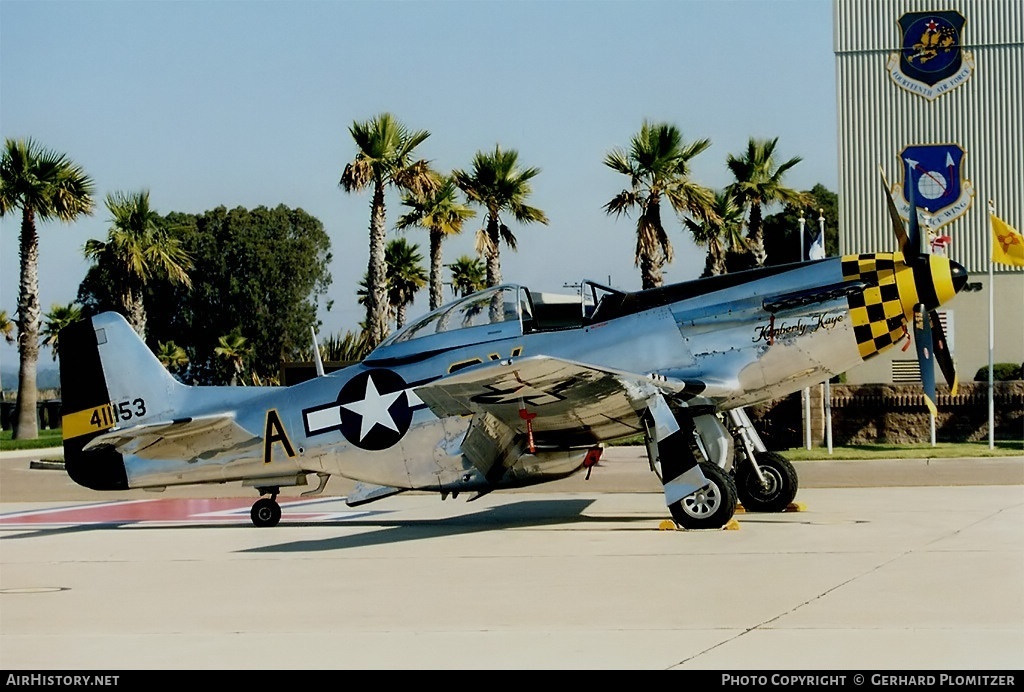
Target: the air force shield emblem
(936, 171)
(931, 60)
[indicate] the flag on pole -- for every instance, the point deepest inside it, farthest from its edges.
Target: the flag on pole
(817, 249)
(1007, 244)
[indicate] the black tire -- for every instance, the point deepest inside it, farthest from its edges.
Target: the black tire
(265, 512)
(781, 481)
(711, 507)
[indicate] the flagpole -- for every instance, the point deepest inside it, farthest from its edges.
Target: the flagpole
(931, 250)
(807, 390)
(991, 332)
(828, 386)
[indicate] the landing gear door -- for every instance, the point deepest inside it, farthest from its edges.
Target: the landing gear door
(660, 424)
(715, 441)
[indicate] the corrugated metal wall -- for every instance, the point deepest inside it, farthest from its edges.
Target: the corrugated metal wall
(877, 119)
(983, 115)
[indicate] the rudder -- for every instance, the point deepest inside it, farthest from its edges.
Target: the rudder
(108, 378)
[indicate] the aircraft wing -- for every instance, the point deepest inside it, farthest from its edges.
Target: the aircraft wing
(568, 403)
(189, 438)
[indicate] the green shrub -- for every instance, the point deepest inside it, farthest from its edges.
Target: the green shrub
(1000, 372)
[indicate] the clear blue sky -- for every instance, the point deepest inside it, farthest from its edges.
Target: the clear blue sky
(237, 102)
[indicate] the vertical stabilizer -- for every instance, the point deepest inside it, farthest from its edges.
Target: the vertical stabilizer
(109, 378)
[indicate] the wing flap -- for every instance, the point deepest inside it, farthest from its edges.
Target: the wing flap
(190, 438)
(364, 493)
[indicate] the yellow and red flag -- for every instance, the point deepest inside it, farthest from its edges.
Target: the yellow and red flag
(1007, 244)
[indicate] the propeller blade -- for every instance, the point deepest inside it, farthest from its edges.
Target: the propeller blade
(925, 354)
(897, 223)
(917, 243)
(942, 354)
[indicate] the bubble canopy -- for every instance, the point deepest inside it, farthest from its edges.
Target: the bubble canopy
(488, 315)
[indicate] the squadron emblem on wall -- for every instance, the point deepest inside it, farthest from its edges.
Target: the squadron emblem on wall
(941, 191)
(931, 60)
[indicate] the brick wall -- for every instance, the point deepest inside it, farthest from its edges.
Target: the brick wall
(897, 414)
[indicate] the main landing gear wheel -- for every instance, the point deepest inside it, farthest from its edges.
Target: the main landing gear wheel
(710, 507)
(778, 490)
(265, 512)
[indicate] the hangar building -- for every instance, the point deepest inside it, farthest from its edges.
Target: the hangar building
(933, 91)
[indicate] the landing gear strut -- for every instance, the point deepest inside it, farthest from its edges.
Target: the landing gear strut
(734, 461)
(265, 511)
(697, 499)
(765, 481)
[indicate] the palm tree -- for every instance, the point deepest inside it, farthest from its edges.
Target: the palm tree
(658, 165)
(171, 355)
(6, 327)
(45, 185)
(138, 249)
(442, 215)
(236, 350)
(349, 347)
(759, 183)
(57, 318)
(498, 184)
(720, 234)
(7, 330)
(469, 275)
(362, 296)
(405, 276)
(385, 158)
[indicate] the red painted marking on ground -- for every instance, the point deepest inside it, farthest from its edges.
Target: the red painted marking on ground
(227, 510)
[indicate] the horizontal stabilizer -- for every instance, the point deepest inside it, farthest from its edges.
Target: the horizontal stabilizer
(189, 438)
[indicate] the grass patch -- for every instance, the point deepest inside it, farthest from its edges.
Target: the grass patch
(941, 450)
(47, 438)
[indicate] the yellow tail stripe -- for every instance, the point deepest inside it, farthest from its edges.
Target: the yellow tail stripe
(90, 420)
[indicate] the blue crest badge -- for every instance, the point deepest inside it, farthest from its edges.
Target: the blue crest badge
(931, 60)
(941, 191)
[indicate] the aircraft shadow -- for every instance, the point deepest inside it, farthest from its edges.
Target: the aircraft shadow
(526, 514)
(43, 531)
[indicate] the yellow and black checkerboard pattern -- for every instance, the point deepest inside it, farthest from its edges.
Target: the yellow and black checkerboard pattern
(879, 320)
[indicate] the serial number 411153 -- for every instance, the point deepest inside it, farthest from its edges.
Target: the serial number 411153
(105, 416)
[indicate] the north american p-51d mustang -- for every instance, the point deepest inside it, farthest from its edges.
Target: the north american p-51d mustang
(502, 389)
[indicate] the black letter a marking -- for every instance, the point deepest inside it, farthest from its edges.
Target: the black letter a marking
(274, 432)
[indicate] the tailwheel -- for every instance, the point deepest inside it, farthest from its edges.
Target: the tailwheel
(710, 507)
(779, 487)
(265, 512)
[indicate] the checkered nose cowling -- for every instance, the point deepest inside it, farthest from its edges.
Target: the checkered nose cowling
(881, 311)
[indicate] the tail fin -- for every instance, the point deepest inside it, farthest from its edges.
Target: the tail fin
(108, 377)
